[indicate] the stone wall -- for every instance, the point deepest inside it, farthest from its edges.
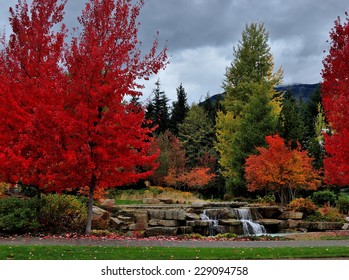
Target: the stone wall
(177, 219)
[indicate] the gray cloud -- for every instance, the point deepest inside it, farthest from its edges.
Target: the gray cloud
(298, 32)
(201, 35)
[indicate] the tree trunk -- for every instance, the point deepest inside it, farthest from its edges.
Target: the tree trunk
(38, 205)
(283, 194)
(90, 205)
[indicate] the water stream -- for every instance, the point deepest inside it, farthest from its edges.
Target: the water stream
(249, 226)
(212, 223)
(243, 214)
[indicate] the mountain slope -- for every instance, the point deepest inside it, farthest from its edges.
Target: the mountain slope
(299, 91)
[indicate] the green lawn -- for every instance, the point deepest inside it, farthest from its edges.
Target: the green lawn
(127, 201)
(164, 253)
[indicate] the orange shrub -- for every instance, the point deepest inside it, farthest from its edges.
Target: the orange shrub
(304, 205)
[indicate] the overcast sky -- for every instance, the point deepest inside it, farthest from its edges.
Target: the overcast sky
(201, 34)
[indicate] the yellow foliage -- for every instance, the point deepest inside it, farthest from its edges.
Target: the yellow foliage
(3, 188)
(225, 131)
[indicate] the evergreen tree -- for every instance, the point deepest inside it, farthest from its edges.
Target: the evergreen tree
(291, 125)
(180, 109)
(157, 110)
(316, 143)
(257, 122)
(253, 63)
(212, 106)
(196, 133)
(249, 78)
(310, 112)
(314, 121)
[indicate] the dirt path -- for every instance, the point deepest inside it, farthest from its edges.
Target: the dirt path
(171, 243)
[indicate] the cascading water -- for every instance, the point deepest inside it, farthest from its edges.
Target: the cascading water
(212, 223)
(249, 226)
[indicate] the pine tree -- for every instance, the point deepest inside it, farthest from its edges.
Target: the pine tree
(291, 124)
(250, 74)
(255, 124)
(180, 109)
(212, 106)
(310, 112)
(314, 121)
(157, 110)
(253, 63)
(196, 133)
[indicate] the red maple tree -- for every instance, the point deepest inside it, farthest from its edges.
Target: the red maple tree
(194, 178)
(73, 126)
(172, 157)
(281, 170)
(335, 99)
(32, 83)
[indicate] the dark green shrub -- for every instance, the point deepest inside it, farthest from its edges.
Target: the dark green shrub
(343, 204)
(60, 213)
(315, 217)
(321, 198)
(18, 215)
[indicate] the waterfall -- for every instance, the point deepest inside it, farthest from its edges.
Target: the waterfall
(212, 223)
(249, 226)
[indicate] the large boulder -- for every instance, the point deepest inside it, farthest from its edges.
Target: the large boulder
(198, 205)
(166, 200)
(107, 202)
(270, 212)
(272, 225)
(265, 222)
(219, 213)
(171, 214)
(164, 223)
(137, 227)
(230, 222)
(151, 201)
(161, 231)
(175, 214)
(141, 220)
(192, 216)
(292, 224)
(291, 215)
(156, 214)
(318, 226)
(100, 218)
(198, 223)
(141, 216)
(115, 223)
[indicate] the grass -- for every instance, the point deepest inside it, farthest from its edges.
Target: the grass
(127, 201)
(165, 253)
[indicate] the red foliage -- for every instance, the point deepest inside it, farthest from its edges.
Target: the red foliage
(71, 127)
(195, 178)
(335, 98)
(280, 169)
(172, 156)
(31, 94)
